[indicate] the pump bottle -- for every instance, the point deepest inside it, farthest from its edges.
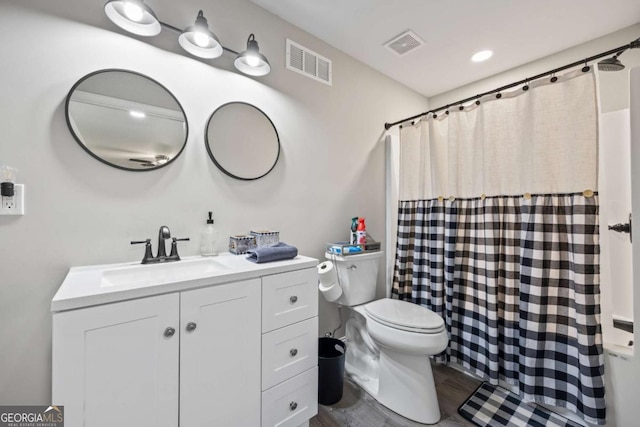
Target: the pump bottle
(209, 238)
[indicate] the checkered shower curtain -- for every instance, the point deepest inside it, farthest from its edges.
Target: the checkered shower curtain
(517, 281)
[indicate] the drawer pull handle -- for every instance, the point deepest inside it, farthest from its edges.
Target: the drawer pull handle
(191, 326)
(168, 333)
(293, 299)
(293, 406)
(293, 352)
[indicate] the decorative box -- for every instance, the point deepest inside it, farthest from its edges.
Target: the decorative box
(266, 237)
(242, 243)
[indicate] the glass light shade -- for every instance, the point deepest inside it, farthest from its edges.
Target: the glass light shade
(251, 61)
(133, 11)
(199, 41)
(133, 16)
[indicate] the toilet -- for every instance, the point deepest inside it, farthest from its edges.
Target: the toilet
(388, 341)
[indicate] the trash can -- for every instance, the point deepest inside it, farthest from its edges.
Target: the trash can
(331, 353)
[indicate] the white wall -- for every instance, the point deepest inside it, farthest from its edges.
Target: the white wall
(614, 93)
(82, 212)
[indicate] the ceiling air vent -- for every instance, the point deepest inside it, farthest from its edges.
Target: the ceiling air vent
(308, 63)
(404, 43)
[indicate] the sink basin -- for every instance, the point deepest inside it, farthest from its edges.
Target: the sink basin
(158, 274)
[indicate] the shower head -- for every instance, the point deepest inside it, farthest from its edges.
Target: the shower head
(611, 64)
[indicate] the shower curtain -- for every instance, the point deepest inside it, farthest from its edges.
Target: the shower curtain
(498, 234)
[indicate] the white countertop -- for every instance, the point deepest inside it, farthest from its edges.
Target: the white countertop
(98, 284)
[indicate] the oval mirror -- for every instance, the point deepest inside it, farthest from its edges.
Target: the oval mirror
(126, 120)
(242, 141)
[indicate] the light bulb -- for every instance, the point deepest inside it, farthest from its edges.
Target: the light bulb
(133, 11)
(201, 39)
(253, 61)
(483, 55)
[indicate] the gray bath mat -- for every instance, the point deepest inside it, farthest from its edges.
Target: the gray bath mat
(493, 406)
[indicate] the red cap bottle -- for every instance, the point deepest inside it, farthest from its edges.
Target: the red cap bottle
(362, 232)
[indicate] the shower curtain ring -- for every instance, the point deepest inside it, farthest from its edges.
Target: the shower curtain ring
(586, 67)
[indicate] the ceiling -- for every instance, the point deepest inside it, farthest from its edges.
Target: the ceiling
(517, 31)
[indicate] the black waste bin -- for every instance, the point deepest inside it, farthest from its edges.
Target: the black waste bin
(331, 353)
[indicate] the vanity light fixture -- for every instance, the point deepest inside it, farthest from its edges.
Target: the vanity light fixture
(251, 61)
(136, 17)
(133, 16)
(198, 40)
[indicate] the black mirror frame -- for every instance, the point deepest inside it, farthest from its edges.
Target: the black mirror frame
(85, 148)
(213, 159)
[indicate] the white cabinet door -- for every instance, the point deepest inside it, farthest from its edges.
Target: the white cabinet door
(115, 364)
(220, 355)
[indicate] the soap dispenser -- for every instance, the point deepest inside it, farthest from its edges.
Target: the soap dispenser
(209, 238)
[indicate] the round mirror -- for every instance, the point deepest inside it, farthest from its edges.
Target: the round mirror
(242, 141)
(126, 120)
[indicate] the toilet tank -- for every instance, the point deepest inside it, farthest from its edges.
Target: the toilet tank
(357, 275)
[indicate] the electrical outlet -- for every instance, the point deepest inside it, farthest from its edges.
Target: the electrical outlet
(13, 205)
(8, 203)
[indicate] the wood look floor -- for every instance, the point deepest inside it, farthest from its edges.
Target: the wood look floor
(359, 409)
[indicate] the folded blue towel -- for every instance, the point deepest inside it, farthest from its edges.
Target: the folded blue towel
(277, 252)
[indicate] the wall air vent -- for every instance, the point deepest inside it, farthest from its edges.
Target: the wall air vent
(404, 43)
(308, 63)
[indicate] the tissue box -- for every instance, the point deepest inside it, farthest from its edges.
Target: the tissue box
(266, 237)
(240, 244)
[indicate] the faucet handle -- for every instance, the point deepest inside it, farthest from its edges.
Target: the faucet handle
(174, 247)
(148, 255)
(139, 242)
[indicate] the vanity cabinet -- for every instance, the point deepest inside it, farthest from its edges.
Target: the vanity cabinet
(197, 357)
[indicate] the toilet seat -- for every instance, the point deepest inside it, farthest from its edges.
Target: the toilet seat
(404, 316)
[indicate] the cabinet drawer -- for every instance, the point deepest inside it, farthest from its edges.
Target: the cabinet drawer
(288, 351)
(291, 403)
(289, 298)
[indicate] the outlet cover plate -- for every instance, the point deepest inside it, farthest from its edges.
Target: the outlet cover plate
(17, 205)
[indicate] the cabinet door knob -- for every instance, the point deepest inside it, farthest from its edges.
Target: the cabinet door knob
(293, 352)
(169, 332)
(293, 299)
(191, 326)
(293, 406)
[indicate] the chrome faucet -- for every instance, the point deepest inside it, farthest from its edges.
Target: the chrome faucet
(163, 234)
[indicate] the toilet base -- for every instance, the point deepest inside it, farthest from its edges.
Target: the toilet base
(402, 382)
(418, 402)
(406, 386)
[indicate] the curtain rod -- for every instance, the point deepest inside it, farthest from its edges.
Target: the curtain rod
(618, 51)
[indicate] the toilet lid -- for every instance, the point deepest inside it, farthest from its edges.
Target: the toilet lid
(405, 315)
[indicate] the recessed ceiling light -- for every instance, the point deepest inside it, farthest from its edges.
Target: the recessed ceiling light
(137, 114)
(483, 55)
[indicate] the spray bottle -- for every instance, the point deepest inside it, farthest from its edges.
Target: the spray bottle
(354, 228)
(361, 232)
